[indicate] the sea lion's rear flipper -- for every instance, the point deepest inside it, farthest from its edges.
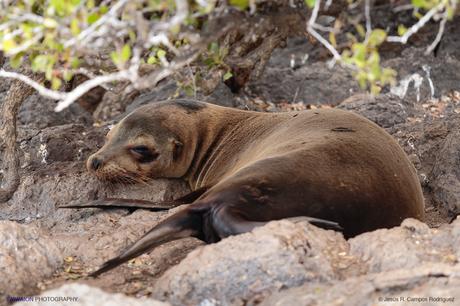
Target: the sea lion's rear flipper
(228, 220)
(183, 224)
(326, 224)
(131, 203)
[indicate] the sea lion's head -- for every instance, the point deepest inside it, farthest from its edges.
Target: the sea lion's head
(138, 148)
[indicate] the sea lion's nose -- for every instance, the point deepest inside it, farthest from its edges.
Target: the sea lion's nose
(95, 163)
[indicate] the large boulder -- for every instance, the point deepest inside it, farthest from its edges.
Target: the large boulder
(82, 295)
(27, 255)
(280, 254)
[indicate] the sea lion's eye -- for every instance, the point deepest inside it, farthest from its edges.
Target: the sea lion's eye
(140, 149)
(143, 154)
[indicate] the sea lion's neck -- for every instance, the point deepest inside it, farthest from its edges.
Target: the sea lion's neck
(215, 134)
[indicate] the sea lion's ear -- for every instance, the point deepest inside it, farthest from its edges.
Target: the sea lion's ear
(176, 148)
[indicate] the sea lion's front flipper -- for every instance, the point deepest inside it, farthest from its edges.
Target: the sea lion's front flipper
(144, 204)
(126, 203)
(185, 223)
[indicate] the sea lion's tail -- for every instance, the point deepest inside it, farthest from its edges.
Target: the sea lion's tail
(186, 223)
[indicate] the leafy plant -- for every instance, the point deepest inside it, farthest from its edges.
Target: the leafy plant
(364, 59)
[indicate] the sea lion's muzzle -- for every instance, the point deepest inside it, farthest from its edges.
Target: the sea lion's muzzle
(96, 163)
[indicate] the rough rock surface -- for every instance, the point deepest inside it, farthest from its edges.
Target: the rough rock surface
(426, 76)
(411, 259)
(407, 262)
(408, 246)
(86, 296)
(38, 112)
(433, 143)
(54, 174)
(434, 284)
(311, 84)
(385, 110)
(55, 157)
(113, 106)
(27, 255)
(280, 254)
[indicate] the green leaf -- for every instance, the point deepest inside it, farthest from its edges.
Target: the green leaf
(360, 29)
(401, 30)
(60, 6)
(332, 39)
(8, 45)
(450, 12)
(152, 60)
(209, 62)
(92, 18)
(161, 53)
(377, 37)
(418, 3)
(122, 56)
(56, 83)
(75, 63)
(16, 60)
(359, 52)
(241, 4)
(125, 53)
(28, 30)
(227, 75)
(49, 72)
(103, 9)
(67, 75)
(75, 26)
(40, 62)
(90, 4)
(310, 3)
(362, 78)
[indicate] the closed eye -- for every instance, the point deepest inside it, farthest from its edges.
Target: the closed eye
(144, 154)
(140, 149)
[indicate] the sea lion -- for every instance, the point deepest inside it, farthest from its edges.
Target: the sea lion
(247, 168)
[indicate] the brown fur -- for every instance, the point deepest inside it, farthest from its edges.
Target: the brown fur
(327, 164)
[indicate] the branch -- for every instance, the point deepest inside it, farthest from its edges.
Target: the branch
(87, 33)
(414, 29)
(367, 14)
(80, 90)
(311, 24)
(17, 93)
(442, 26)
(55, 95)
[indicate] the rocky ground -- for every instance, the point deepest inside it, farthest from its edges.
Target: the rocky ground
(48, 251)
